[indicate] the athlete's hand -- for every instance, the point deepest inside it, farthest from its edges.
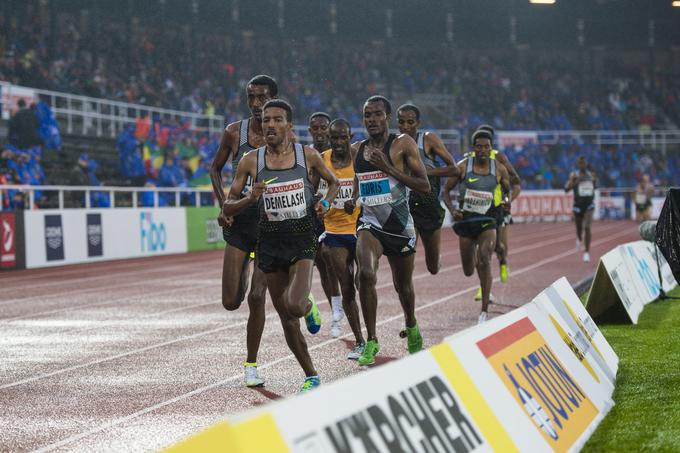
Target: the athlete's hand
(457, 214)
(256, 190)
(379, 161)
(506, 204)
(223, 220)
(321, 209)
(349, 206)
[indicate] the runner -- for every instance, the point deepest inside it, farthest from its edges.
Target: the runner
(339, 240)
(318, 129)
(386, 167)
(427, 212)
(583, 181)
(286, 242)
(476, 217)
(240, 232)
(504, 216)
(643, 199)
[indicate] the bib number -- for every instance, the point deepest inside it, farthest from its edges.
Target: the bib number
(285, 201)
(640, 198)
(586, 189)
(374, 188)
(477, 201)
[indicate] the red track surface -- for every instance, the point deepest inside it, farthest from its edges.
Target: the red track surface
(136, 355)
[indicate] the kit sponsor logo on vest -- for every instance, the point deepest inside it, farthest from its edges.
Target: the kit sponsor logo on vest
(425, 417)
(539, 383)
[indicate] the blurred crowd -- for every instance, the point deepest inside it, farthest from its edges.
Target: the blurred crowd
(205, 72)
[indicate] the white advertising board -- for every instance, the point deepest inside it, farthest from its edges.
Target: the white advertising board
(58, 237)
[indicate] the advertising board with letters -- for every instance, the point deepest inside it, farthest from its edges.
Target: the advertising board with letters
(8, 240)
(81, 235)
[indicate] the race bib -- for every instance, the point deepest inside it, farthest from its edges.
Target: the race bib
(374, 188)
(285, 200)
(477, 201)
(586, 189)
(323, 187)
(640, 198)
(344, 192)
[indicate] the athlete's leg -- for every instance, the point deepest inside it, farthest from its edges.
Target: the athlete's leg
(578, 220)
(587, 220)
(342, 263)
(431, 244)
(369, 250)
(486, 244)
(329, 282)
(467, 255)
(402, 277)
(501, 244)
(256, 304)
(281, 286)
(234, 277)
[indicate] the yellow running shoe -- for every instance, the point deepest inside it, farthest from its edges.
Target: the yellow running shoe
(252, 255)
(504, 274)
(478, 296)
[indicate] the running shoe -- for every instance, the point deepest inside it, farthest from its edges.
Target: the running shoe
(483, 317)
(478, 296)
(336, 305)
(252, 255)
(414, 339)
(336, 329)
(370, 350)
(586, 257)
(313, 318)
(252, 379)
(310, 383)
(357, 351)
(504, 274)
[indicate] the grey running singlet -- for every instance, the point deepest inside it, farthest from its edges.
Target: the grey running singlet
(476, 192)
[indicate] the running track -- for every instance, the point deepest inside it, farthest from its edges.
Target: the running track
(136, 355)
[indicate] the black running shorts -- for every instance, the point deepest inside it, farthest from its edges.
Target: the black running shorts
(472, 229)
(393, 244)
(428, 215)
(276, 253)
(242, 235)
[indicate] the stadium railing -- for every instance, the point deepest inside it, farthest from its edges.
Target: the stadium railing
(117, 197)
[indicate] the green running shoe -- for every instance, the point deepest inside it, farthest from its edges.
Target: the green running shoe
(478, 295)
(310, 383)
(370, 350)
(313, 318)
(415, 339)
(504, 273)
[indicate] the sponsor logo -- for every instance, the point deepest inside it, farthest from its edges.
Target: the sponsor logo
(8, 240)
(473, 179)
(94, 235)
(548, 395)
(422, 418)
(54, 237)
(213, 231)
(645, 273)
(153, 237)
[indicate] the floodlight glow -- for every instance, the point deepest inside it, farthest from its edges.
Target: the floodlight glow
(675, 3)
(547, 2)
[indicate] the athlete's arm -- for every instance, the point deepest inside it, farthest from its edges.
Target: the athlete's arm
(416, 178)
(318, 167)
(451, 182)
(351, 204)
(570, 182)
(434, 143)
(223, 153)
(234, 203)
(504, 181)
(515, 181)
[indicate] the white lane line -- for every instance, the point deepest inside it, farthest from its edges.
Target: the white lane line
(200, 390)
(199, 334)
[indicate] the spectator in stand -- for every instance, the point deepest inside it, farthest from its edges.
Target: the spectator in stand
(83, 174)
(170, 175)
(23, 128)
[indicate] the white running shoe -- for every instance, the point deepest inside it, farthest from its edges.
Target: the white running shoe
(252, 379)
(483, 317)
(578, 245)
(356, 352)
(336, 329)
(336, 306)
(586, 257)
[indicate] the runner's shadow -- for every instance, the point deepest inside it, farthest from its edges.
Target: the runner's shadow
(381, 360)
(349, 344)
(267, 394)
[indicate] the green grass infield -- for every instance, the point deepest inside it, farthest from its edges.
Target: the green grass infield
(646, 417)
